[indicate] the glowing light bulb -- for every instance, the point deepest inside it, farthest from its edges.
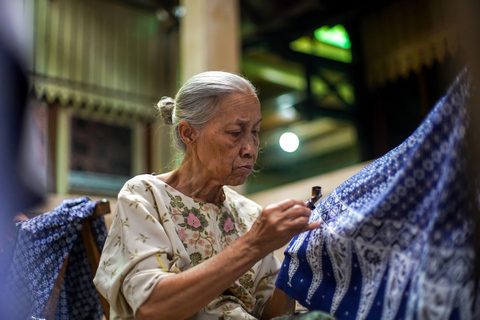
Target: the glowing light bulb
(289, 142)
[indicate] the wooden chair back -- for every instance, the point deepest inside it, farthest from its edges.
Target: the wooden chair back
(102, 207)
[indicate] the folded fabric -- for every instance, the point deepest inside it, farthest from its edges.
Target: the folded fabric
(312, 315)
(397, 238)
(41, 246)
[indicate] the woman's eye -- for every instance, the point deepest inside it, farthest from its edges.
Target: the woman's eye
(235, 133)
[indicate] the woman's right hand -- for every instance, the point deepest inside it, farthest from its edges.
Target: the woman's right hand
(278, 224)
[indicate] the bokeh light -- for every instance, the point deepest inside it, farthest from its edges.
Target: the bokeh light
(289, 142)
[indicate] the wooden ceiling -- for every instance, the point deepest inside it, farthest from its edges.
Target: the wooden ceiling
(279, 21)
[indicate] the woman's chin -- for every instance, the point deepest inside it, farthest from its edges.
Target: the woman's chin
(237, 181)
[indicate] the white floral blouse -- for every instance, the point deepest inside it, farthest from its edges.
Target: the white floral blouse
(158, 231)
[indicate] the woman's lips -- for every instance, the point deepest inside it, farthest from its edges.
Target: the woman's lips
(246, 169)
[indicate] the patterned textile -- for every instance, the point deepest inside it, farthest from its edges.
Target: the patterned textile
(397, 238)
(157, 232)
(313, 315)
(42, 244)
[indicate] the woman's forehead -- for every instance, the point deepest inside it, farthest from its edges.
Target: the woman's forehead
(240, 100)
(240, 108)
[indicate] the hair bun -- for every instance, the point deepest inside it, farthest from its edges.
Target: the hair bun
(165, 107)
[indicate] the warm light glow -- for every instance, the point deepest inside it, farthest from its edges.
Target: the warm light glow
(289, 142)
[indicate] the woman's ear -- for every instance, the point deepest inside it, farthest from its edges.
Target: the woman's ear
(186, 132)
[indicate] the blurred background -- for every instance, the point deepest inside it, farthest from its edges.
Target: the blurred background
(340, 82)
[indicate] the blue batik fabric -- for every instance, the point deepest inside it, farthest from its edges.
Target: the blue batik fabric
(41, 246)
(397, 238)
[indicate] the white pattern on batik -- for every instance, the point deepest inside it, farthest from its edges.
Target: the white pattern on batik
(294, 262)
(314, 260)
(437, 300)
(341, 253)
(373, 265)
(401, 268)
(406, 217)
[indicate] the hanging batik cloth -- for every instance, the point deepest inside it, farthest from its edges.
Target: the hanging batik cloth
(41, 245)
(397, 238)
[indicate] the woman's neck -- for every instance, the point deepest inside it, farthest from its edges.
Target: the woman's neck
(194, 185)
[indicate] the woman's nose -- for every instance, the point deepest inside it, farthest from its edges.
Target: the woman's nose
(249, 146)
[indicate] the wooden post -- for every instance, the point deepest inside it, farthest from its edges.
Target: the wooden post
(209, 37)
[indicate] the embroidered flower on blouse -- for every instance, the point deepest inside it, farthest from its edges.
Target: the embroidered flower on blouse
(228, 226)
(193, 221)
(247, 281)
(182, 234)
(195, 258)
(176, 201)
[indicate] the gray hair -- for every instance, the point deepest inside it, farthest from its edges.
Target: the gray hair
(197, 100)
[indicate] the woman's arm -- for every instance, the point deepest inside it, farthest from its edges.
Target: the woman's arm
(278, 304)
(182, 295)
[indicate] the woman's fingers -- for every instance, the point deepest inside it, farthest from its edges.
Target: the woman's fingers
(295, 217)
(280, 222)
(298, 211)
(288, 210)
(284, 205)
(279, 214)
(313, 225)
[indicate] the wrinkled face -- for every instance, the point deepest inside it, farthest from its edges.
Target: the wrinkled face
(227, 145)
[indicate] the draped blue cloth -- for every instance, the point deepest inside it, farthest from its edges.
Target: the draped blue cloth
(41, 246)
(397, 238)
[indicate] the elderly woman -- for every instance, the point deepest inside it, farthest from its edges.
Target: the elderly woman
(184, 245)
